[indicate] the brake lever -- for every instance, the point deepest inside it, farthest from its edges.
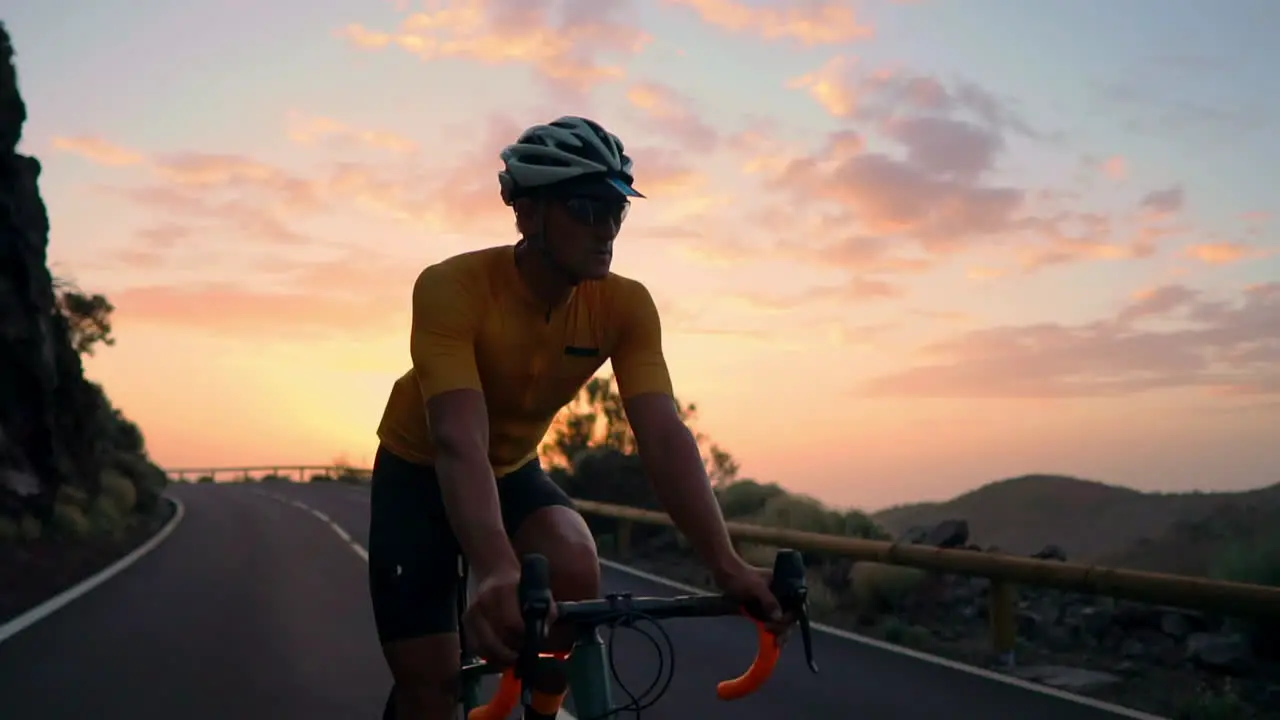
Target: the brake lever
(788, 585)
(534, 593)
(806, 638)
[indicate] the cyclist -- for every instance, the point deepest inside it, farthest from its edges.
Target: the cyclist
(501, 339)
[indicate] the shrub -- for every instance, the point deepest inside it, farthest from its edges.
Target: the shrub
(119, 491)
(9, 530)
(69, 521)
(1257, 563)
(29, 528)
(148, 480)
(105, 518)
(1215, 704)
(320, 478)
(205, 479)
(72, 496)
(879, 587)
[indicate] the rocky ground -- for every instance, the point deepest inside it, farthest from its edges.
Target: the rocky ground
(1170, 662)
(32, 571)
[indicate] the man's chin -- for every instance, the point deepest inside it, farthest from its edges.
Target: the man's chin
(596, 268)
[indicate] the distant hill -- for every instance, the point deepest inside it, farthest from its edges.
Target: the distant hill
(1095, 522)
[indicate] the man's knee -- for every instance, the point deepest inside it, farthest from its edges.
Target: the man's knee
(426, 672)
(562, 536)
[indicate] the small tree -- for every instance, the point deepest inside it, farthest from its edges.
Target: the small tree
(88, 316)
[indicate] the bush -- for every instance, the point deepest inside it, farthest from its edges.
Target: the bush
(72, 496)
(319, 479)
(1215, 704)
(1257, 563)
(70, 522)
(119, 491)
(879, 587)
(104, 518)
(29, 529)
(205, 479)
(9, 530)
(148, 480)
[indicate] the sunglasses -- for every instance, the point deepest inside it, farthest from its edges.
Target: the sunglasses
(596, 211)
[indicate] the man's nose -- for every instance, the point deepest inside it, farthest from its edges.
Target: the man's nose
(605, 229)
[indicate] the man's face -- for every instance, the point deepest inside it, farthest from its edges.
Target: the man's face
(581, 229)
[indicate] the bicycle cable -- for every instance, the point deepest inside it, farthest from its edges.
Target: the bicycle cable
(632, 620)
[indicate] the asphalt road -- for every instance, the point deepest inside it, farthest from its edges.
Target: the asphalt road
(254, 608)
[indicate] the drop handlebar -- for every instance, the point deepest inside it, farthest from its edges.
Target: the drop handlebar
(787, 584)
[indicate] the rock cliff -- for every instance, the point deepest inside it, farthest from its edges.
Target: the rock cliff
(55, 427)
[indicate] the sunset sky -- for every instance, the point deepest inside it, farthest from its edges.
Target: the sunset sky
(901, 248)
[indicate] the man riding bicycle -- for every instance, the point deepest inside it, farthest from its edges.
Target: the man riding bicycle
(501, 339)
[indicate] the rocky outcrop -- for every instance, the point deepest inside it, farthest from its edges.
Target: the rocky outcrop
(49, 415)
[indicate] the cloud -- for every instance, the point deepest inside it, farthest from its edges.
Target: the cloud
(809, 22)
(1115, 167)
(356, 293)
(672, 114)
(311, 129)
(1225, 253)
(563, 40)
(97, 150)
(1165, 338)
(854, 289)
(913, 167)
(260, 201)
(1166, 201)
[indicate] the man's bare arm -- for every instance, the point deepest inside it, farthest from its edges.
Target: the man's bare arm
(460, 431)
(674, 466)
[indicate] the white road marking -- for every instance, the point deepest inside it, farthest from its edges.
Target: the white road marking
(57, 602)
(356, 547)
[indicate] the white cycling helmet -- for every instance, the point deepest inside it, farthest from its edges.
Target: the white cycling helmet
(564, 150)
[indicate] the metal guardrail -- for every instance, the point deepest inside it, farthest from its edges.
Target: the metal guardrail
(1005, 571)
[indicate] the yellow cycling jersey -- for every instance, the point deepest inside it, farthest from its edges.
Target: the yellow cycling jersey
(476, 325)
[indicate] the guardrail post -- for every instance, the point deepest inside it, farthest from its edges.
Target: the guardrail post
(622, 539)
(1001, 614)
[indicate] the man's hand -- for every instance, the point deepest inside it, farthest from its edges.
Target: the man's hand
(494, 627)
(750, 586)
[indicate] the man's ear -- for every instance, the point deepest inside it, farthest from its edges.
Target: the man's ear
(528, 215)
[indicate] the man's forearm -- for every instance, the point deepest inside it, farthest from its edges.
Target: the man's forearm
(680, 483)
(471, 502)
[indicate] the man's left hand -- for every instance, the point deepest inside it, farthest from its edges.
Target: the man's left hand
(750, 586)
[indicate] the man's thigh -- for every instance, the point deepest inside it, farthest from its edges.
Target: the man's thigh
(413, 553)
(540, 518)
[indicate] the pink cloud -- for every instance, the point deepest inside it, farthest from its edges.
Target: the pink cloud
(1225, 253)
(563, 40)
(312, 129)
(97, 150)
(672, 114)
(1168, 337)
(810, 22)
(360, 293)
(1115, 167)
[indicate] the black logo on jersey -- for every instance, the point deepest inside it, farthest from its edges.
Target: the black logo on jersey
(585, 352)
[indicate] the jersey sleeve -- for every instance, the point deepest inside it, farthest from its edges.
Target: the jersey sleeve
(638, 362)
(446, 314)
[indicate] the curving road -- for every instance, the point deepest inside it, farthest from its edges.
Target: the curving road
(256, 608)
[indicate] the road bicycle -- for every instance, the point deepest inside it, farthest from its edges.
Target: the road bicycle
(590, 665)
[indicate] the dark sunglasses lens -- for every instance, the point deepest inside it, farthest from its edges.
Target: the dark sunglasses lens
(590, 211)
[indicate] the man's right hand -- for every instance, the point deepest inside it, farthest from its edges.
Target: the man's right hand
(493, 625)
